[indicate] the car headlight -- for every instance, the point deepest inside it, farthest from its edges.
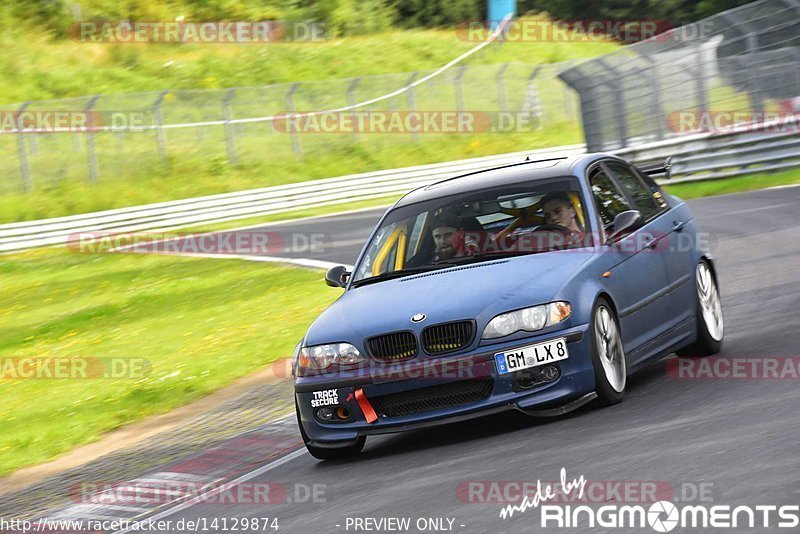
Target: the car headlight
(323, 356)
(528, 319)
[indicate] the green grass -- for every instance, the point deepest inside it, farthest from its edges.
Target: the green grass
(737, 184)
(196, 176)
(35, 66)
(201, 324)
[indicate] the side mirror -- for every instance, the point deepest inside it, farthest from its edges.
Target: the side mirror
(625, 222)
(337, 276)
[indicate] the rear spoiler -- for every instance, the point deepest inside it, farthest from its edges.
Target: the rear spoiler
(653, 168)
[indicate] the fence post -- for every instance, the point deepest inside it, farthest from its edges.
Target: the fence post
(229, 128)
(459, 88)
(118, 146)
(296, 146)
(619, 102)
(161, 136)
(24, 165)
(502, 103)
(531, 103)
(76, 142)
(91, 155)
(33, 143)
(700, 78)
(569, 102)
(656, 100)
(569, 95)
(351, 100)
(412, 102)
(753, 70)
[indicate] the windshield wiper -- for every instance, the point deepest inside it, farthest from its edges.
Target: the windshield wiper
(396, 274)
(479, 256)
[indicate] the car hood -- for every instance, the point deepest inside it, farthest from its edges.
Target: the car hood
(476, 291)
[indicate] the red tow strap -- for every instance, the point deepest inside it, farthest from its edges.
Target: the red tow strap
(366, 407)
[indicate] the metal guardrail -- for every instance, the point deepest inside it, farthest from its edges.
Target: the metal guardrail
(743, 60)
(255, 202)
(695, 157)
(711, 156)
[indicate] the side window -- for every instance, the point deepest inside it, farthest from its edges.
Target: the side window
(415, 240)
(641, 195)
(375, 253)
(610, 200)
(655, 189)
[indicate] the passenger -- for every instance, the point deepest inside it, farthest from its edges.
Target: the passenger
(558, 209)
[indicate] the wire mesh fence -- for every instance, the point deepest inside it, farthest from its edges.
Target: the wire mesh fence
(132, 134)
(741, 66)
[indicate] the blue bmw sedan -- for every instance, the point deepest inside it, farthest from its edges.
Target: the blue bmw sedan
(538, 286)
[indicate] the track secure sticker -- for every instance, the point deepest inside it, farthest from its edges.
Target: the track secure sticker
(326, 397)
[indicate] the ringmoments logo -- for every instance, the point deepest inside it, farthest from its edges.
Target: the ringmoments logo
(664, 516)
(557, 510)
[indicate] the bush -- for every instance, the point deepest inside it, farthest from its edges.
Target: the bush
(431, 13)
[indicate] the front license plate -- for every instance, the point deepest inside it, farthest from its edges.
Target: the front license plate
(531, 356)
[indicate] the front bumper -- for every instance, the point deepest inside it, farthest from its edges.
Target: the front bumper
(576, 380)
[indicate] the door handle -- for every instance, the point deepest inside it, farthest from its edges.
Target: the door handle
(678, 225)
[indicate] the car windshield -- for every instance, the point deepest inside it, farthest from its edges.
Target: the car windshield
(523, 218)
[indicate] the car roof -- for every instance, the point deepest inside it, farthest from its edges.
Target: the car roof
(524, 171)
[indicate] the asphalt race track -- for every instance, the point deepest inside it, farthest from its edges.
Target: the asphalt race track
(729, 442)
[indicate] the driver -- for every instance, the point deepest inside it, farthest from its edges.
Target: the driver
(558, 209)
(447, 233)
(447, 236)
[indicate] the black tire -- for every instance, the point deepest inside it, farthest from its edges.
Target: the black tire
(325, 453)
(607, 394)
(705, 345)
